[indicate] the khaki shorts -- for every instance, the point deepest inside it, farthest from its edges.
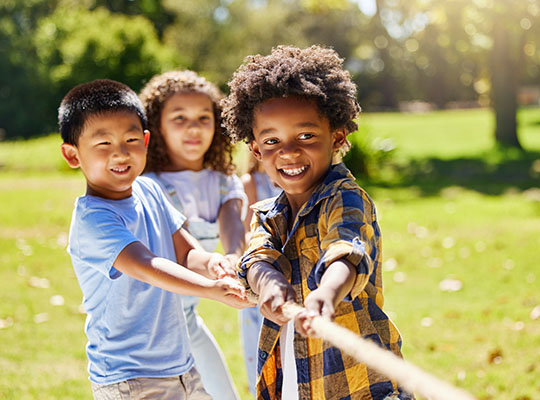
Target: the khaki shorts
(184, 387)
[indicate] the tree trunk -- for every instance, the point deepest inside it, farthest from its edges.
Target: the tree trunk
(504, 70)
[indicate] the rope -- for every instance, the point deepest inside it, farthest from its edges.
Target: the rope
(410, 377)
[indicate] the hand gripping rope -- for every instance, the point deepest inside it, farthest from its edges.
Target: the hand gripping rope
(408, 376)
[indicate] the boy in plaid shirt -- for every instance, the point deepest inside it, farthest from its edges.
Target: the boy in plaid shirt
(318, 243)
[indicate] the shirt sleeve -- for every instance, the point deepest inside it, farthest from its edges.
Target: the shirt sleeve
(100, 235)
(351, 234)
(263, 246)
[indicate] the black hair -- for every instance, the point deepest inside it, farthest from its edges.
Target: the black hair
(95, 97)
(315, 73)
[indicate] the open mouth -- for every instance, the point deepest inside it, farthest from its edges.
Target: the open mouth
(293, 172)
(120, 170)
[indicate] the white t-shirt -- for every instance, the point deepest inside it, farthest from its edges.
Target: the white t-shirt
(202, 193)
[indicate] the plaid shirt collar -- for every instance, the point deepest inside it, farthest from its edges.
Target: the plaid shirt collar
(335, 175)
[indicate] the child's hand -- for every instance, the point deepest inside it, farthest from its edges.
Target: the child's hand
(319, 303)
(220, 266)
(272, 296)
(232, 293)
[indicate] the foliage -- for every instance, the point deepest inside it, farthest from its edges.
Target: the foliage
(22, 96)
(437, 51)
(367, 156)
(75, 45)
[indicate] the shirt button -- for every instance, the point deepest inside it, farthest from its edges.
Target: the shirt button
(263, 355)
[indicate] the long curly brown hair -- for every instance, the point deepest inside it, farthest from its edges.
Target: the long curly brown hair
(315, 72)
(154, 95)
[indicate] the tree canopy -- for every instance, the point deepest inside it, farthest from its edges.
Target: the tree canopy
(444, 53)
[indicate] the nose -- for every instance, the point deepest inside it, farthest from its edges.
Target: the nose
(289, 150)
(122, 150)
(194, 126)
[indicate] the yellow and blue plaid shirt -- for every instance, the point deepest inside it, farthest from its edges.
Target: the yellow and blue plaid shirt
(338, 222)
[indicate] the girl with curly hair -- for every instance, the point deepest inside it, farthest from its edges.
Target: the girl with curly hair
(191, 160)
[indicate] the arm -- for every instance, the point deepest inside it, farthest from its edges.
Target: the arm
(231, 230)
(336, 282)
(251, 191)
(190, 253)
(349, 237)
(140, 263)
(273, 290)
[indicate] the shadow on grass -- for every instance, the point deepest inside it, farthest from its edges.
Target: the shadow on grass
(492, 174)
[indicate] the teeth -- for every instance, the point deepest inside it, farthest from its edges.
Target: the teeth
(293, 171)
(120, 169)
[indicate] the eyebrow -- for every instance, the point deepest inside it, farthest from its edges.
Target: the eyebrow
(104, 132)
(306, 124)
(183, 108)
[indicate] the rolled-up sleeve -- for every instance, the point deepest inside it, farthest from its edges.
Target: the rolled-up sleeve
(350, 234)
(263, 247)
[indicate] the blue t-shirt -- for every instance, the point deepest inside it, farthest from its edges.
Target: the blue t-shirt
(134, 329)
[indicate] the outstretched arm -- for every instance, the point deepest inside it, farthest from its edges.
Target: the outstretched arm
(140, 263)
(273, 289)
(336, 282)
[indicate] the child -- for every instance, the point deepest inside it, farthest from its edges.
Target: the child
(124, 242)
(318, 243)
(257, 186)
(190, 158)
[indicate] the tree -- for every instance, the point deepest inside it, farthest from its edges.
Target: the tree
(67, 47)
(22, 109)
(498, 33)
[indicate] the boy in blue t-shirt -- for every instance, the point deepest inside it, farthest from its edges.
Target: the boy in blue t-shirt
(128, 249)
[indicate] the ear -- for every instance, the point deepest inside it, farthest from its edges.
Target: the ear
(254, 148)
(339, 136)
(71, 155)
(146, 137)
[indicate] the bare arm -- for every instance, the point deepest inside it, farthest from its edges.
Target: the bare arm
(191, 254)
(231, 229)
(140, 263)
(251, 191)
(336, 282)
(273, 290)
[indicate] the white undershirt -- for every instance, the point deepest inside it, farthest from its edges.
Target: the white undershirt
(288, 362)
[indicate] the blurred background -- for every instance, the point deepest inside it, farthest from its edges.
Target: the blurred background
(409, 55)
(448, 146)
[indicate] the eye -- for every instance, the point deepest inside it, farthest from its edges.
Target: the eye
(205, 118)
(179, 118)
(306, 136)
(271, 141)
(134, 139)
(104, 143)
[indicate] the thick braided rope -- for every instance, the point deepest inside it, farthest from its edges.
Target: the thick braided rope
(408, 376)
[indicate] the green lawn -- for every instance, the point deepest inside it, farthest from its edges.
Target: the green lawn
(461, 232)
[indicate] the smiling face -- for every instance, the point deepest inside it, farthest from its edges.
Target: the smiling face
(187, 127)
(111, 152)
(295, 144)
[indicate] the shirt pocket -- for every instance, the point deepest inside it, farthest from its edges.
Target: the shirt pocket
(309, 249)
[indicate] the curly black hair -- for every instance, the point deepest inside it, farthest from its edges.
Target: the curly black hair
(154, 96)
(314, 72)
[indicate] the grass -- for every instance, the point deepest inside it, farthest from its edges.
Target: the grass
(452, 211)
